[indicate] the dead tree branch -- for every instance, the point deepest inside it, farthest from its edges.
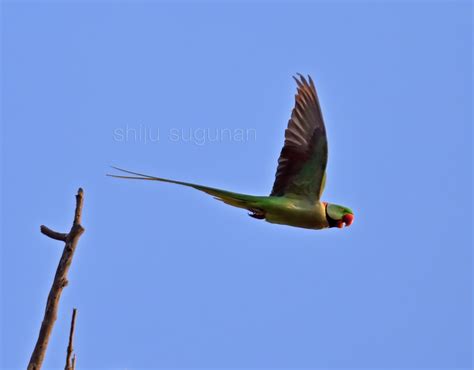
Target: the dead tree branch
(60, 281)
(70, 359)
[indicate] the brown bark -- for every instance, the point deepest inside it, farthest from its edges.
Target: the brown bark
(70, 358)
(60, 281)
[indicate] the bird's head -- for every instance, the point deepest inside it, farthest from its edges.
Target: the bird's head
(338, 216)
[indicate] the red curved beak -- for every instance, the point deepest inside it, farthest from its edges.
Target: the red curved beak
(348, 219)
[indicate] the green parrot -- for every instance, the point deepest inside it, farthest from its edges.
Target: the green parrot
(295, 199)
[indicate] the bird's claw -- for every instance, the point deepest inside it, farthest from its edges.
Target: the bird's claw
(257, 213)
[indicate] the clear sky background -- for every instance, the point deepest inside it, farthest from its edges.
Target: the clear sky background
(166, 277)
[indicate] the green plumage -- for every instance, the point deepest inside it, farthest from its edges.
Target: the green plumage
(300, 177)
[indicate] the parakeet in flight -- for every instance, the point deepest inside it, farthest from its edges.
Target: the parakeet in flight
(295, 199)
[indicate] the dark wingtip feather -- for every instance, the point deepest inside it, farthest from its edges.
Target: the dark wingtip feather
(304, 80)
(298, 82)
(311, 83)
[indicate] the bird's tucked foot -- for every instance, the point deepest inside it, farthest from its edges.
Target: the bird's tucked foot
(257, 213)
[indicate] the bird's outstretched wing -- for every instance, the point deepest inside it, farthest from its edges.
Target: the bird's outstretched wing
(302, 163)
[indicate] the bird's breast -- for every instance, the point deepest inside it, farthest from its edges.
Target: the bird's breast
(298, 214)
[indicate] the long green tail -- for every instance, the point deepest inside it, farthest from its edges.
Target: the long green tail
(234, 199)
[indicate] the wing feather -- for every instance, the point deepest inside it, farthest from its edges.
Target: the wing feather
(303, 159)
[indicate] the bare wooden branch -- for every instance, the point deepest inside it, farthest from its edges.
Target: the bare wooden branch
(53, 234)
(70, 358)
(60, 281)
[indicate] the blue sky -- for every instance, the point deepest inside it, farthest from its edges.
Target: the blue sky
(166, 277)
